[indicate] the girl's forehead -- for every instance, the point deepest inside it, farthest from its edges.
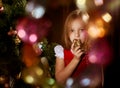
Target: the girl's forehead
(77, 22)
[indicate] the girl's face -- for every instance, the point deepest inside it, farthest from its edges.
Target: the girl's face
(77, 30)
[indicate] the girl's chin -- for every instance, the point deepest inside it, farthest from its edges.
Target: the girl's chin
(83, 41)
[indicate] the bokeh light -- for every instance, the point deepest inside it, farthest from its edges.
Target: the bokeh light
(38, 12)
(51, 81)
(69, 82)
(34, 75)
(33, 38)
(32, 30)
(97, 29)
(85, 82)
(101, 52)
(21, 33)
(107, 17)
(85, 17)
(35, 9)
(29, 79)
(81, 4)
(98, 2)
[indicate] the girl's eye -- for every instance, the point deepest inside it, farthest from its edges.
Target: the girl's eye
(82, 29)
(71, 30)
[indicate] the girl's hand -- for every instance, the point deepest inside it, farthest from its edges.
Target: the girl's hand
(77, 51)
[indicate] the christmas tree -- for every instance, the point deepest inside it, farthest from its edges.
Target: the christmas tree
(11, 64)
(9, 53)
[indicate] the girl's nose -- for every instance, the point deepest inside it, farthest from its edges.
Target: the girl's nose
(77, 34)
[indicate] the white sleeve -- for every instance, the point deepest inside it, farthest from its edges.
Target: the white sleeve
(59, 51)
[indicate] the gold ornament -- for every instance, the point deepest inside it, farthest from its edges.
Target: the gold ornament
(17, 40)
(76, 42)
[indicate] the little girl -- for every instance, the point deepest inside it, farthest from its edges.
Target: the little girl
(72, 59)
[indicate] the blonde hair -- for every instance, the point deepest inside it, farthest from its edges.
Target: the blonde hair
(72, 16)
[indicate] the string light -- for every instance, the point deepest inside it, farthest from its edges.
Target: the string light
(1, 6)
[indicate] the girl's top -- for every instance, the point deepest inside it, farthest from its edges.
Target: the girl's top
(67, 55)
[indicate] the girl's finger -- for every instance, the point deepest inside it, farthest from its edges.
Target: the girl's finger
(72, 46)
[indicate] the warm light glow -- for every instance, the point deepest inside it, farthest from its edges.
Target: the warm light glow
(96, 29)
(85, 17)
(1, 8)
(99, 23)
(39, 71)
(98, 2)
(81, 4)
(93, 31)
(107, 17)
(29, 79)
(101, 32)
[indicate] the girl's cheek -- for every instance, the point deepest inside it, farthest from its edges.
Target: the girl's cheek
(83, 36)
(71, 38)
